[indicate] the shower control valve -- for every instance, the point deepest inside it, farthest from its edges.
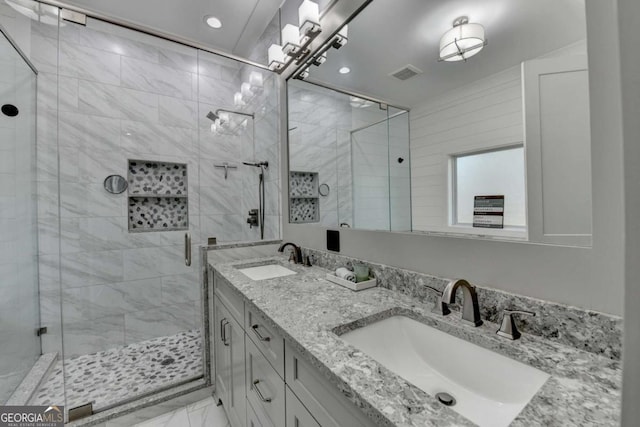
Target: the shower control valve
(253, 218)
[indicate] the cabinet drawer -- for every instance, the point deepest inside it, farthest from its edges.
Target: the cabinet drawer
(323, 399)
(297, 414)
(229, 298)
(270, 343)
(253, 420)
(265, 389)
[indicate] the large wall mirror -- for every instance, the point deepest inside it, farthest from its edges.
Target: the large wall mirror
(433, 105)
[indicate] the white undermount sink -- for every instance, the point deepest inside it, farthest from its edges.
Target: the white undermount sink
(269, 271)
(489, 389)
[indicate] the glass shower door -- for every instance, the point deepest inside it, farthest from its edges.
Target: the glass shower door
(19, 306)
(131, 306)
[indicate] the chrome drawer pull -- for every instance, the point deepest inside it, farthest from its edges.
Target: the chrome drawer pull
(255, 329)
(259, 393)
(223, 331)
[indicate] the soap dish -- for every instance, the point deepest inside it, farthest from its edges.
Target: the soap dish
(372, 282)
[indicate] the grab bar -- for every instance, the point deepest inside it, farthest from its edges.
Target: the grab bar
(187, 249)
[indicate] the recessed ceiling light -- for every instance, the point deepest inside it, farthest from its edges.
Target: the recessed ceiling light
(344, 70)
(212, 21)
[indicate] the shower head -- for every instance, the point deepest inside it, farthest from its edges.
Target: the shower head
(212, 116)
(257, 164)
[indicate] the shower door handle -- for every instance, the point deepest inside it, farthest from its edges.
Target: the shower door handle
(187, 249)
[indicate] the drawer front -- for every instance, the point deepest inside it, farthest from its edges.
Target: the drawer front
(265, 388)
(254, 420)
(266, 339)
(229, 298)
(297, 414)
(323, 399)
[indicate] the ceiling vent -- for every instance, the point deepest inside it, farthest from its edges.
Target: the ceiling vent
(406, 72)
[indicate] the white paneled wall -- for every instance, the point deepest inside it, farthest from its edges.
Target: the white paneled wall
(485, 114)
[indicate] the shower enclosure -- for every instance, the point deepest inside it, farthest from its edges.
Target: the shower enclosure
(120, 298)
(19, 311)
(381, 173)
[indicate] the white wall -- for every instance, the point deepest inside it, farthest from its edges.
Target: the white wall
(628, 15)
(585, 277)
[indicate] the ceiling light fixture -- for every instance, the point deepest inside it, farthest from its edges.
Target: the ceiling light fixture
(462, 41)
(212, 21)
(344, 70)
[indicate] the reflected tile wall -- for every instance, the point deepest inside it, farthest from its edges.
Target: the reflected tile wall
(319, 122)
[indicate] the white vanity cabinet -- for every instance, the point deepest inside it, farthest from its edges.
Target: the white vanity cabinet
(229, 357)
(262, 381)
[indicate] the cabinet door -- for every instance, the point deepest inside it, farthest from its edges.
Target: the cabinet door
(221, 352)
(230, 365)
(297, 415)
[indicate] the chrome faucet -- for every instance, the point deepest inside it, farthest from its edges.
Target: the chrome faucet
(297, 252)
(470, 307)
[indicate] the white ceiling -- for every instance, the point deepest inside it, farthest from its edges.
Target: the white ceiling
(390, 34)
(243, 21)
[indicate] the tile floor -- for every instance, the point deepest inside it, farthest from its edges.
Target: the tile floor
(109, 377)
(204, 413)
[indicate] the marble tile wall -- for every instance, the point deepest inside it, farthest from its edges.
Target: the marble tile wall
(225, 203)
(106, 95)
(18, 222)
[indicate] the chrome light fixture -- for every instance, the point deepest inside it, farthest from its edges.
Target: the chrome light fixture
(277, 58)
(308, 18)
(463, 41)
(290, 40)
(296, 39)
(341, 38)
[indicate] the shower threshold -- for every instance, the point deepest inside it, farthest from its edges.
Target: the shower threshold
(116, 376)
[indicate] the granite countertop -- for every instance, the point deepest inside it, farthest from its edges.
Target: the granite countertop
(584, 389)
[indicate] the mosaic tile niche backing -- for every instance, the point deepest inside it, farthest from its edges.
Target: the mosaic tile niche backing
(158, 196)
(304, 206)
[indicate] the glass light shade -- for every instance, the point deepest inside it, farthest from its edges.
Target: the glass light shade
(255, 80)
(276, 56)
(462, 42)
(308, 17)
(245, 90)
(214, 127)
(224, 118)
(290, 39)
(237, 99)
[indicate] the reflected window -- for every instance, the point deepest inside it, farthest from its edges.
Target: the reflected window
(496, 172)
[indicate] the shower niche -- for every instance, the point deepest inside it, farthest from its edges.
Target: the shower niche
(304, 200)
(158, 196)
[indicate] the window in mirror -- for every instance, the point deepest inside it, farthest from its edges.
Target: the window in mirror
(496, 172)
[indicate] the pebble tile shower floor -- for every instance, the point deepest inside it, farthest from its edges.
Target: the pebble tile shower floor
(110, 377)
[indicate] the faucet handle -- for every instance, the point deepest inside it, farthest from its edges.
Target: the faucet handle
(440, 307)
(508, 327)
